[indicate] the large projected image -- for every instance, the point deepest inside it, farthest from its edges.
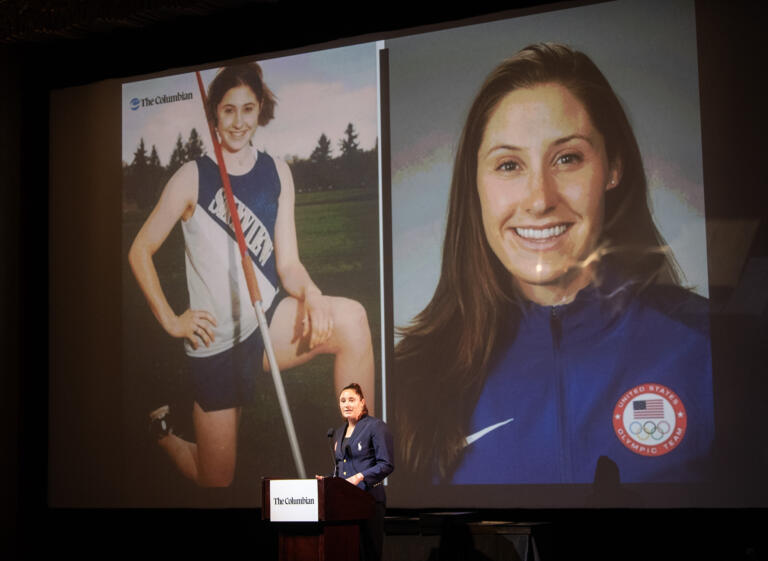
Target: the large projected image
(299, 140)
(495, 226)
(556, 308)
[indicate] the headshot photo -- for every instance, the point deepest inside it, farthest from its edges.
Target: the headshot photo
(555, 308)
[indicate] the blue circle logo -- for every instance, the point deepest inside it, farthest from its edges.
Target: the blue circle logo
(135, 103)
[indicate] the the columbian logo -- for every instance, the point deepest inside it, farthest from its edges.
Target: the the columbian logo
(650, 420)
(136, 102)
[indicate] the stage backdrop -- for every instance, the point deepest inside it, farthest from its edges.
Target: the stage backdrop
(113, 364)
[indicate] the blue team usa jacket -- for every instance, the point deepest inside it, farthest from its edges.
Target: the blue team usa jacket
(616, 374)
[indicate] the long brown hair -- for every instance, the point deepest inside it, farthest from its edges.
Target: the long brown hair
(445, 351)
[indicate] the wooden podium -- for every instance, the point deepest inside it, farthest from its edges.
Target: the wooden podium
(329, 529)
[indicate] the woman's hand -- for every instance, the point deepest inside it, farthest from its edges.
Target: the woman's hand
(193, 325)
(356, 479)
(314, 320)
(318, 319)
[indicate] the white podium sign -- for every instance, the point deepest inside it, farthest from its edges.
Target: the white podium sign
(293, 500)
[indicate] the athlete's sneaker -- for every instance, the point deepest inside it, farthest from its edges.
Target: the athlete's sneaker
(160, 422)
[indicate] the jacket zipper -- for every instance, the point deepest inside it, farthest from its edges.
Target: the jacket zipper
(556, 327)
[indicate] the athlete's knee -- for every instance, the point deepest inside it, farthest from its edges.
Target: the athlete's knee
(216, 483)
(351, 320)
(219, 478)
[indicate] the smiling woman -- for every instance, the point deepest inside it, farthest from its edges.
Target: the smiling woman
(542, 174)
(237, 116)
(558, 320)
(220, 329)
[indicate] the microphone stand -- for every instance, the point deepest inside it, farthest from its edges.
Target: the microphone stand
(333, 455)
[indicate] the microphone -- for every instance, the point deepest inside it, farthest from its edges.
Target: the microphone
(333, 456)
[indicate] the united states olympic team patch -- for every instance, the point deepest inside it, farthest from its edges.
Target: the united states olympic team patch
(650, 420)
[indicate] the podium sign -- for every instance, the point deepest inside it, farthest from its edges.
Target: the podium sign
(328, 510)
(293, 500)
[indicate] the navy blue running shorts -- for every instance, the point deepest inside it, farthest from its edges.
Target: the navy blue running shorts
(228, 379)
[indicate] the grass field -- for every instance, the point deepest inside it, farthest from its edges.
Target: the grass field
(339, 245)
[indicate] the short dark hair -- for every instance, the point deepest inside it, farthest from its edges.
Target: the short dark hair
(250, 75)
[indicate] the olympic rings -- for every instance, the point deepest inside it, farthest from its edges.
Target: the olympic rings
(649, 429)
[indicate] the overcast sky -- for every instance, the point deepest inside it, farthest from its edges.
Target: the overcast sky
(317, 93)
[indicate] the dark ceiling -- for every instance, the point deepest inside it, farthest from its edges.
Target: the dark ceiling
(75, 42)
(51, 21)
(43, 21)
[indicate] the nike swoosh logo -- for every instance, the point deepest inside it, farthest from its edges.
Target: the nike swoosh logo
(481, 433)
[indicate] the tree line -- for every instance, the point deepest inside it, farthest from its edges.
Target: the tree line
(145, 177)
(353, 168)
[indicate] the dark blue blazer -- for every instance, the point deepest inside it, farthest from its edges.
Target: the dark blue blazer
(369, 451)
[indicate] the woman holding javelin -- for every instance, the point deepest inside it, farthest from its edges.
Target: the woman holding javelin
(220, 328)
(558, 332)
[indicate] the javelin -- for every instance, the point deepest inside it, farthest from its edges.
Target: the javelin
(253, 291)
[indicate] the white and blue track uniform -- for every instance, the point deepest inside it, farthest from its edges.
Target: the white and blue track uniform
(216, 281)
